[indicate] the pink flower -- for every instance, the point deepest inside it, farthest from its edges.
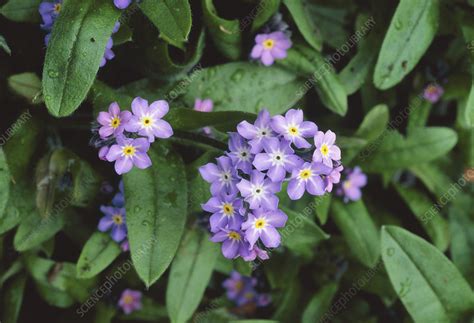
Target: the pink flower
(205, 105)
(433, 93)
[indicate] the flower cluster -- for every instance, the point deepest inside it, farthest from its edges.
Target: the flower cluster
(130, 300)
(49, 11)
(241, 290)
(350, 188)
(113, 220)
(119, 133)
(244, 182)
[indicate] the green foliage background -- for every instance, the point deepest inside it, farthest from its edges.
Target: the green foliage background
(403, 253)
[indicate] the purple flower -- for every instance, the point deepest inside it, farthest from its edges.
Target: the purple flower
(258, 132)
(119, 198)
(222, 177)
(114, 121)
(278, 159)
(256, 252)
(293, 128)
(146, 120)
(351, 187)
(326, 151)
(114, 218)
(103, 152)
(128, 153)
(433, 93)
(225, 211)
(333, 178)
(122, 4)
(125, 246)
(259, 191)
(205, 105)
(240, 153)
(269, 47)
(130, 300)
(233, 244)
(307, 178)
(109, 54)
(237, 284)
(263, 300)
(262, 224)
(49, 11)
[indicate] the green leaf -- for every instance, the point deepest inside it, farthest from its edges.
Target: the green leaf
(159, 57)
(56, 281)
(434, 178)
(226, 34)
(319, 304)
(253, 321)
(103, 313)
(350, 147)
(305, 23)
(99, 252)
(309, 63)
(355, 73)
(20, 205)
(374, 123)
(21, 10)
(245, 87)
(418, 117)
(27, 133)
(4, 45)
(4, 183)
(156, 212)
(171, 17)
(358, 229)
(261, 13)
(468, 31)
(428, 284)
(189, 275)
(12, 299)
(26, 85)
(411, 32)
(75, 51)
(322, 207)
(288, 302)
(34, 229)
(434, 224)
(300, 233)
(461, 225)
(392, 151)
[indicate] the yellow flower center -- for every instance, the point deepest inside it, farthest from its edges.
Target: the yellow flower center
(268, 44)
(147, 122)
(239, 285)
(324, 150)
(57, 7)
(431, 89)
(234, 235)
(249, 295)
(115, 122)
(128, 151)
(305, 174)
(128, 299)
(259, 224)
(117, 218)
(347, 185)
(228, 209)
(293, 131)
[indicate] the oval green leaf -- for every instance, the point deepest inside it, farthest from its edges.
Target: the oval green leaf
(171, 17)
(99, 252)
(359, 230)
(411, 32)
(428, 284)
(305, 22)
(190, 274)
(156, 212)
(21, 10)
(74, 52)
